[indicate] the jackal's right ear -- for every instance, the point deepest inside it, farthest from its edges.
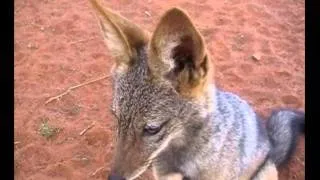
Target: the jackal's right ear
(177, 53)
(122, 37)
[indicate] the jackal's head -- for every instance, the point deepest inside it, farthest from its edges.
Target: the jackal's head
(161, 87)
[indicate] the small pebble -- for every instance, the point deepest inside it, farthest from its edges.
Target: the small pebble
(147, 13)
(256, 56)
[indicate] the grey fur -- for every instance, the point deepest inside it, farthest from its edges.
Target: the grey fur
(225, 143)
(203, 135)
(284, 126)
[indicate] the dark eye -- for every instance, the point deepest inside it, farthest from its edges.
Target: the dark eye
(151, 129)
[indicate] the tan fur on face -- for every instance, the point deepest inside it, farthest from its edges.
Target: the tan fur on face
(175, 26)
(121, 36)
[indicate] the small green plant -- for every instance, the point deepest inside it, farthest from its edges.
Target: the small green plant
(47, 130)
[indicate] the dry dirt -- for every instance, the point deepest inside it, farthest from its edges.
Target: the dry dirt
(58, 45)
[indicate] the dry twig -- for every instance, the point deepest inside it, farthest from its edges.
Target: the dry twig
(82, 40)
(87, 128)
(74, 87)
(147, 13)
(96, 171)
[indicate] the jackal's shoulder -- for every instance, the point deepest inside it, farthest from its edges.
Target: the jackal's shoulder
(230, 103)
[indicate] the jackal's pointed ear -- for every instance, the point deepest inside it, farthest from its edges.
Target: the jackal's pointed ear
(177, 53)
(122, 37)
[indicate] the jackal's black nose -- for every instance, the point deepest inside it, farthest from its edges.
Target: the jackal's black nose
(115, 177)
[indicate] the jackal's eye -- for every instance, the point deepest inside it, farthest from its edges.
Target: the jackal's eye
(151, 129)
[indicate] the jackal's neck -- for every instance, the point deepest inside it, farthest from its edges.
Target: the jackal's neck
(208, 100)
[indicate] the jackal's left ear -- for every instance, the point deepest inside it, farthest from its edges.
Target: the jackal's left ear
(122, 37)
(177, 53)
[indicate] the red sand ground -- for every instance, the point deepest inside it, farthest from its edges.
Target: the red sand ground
(58, 44)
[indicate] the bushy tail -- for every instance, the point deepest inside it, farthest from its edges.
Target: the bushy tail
(284, 127)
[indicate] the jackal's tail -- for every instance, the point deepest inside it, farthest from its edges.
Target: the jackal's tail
(284, 127)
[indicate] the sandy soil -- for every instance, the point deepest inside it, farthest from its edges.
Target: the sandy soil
(58, 45)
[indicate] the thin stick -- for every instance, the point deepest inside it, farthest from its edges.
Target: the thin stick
(17, 142)
(86, 129)
(82, 40)
(147, 13)
(96, 171)
(74, 87)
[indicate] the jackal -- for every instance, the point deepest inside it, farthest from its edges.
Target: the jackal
(172, 117)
